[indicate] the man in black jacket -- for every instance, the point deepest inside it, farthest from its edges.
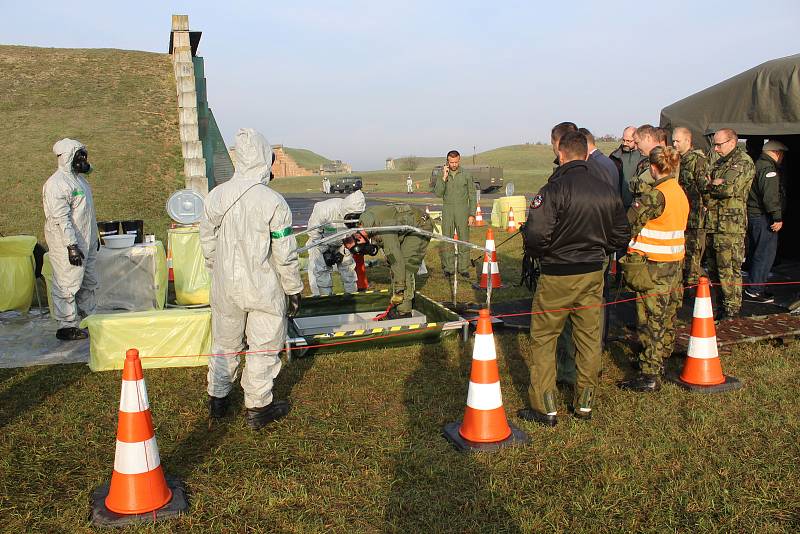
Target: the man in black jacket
(574, 223)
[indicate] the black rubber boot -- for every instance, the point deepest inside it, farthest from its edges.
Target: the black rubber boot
(71, 334)
(218, 407)
(261, 417)
(643, 383)
(529, 414)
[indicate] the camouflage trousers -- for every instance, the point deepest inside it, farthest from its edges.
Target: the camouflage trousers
(725, 253)
(655, 314)
(692, 263)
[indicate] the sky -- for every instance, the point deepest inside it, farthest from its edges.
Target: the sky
(364, 81)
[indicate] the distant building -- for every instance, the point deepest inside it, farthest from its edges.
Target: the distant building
(390, 164)
(335, 167)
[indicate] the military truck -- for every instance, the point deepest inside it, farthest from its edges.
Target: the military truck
(346, 184)
(485, 177)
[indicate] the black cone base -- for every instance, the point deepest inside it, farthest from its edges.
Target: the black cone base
(102, 516)
(730, 384)
(450, 431)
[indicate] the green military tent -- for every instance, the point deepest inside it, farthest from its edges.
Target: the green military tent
(763, 101)
(760, 103)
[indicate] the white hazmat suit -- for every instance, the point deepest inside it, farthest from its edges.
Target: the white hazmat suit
(246, 237)
(70, 220)
(324, 213)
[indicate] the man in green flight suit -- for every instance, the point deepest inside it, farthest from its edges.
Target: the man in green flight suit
(730, 178)
(455, 187)
(404, 251)
(692, 177)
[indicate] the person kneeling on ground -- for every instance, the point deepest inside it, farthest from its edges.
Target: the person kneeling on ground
(658, 221)
(247, 241)
(404, 251)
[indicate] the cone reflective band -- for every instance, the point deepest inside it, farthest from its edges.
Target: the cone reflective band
(512, 224)
(702, 365)
(484, 417)
(478, 217)
(490, 266)
(137, 484)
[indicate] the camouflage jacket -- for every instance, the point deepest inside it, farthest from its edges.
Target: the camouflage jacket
(726, 212)
(694, 169)
(641, 182)
(647, 206)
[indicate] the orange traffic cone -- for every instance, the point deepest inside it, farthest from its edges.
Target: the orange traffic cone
(485, 426)
(478, 217)
(490, 266)
(138, 485)
(703, 369)
(512, 224)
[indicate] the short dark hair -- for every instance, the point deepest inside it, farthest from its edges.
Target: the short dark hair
(560, 129)
(588, 134)
(662, 135)
(648, 130)
(574, 145)
(453, 154)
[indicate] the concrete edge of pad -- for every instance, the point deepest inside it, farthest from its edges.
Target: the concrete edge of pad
(104, 517)
(450, 432)
(730, 384)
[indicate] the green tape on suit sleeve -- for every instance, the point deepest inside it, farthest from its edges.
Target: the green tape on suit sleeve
(282, 233)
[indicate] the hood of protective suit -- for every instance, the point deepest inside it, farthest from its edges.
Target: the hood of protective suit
(65, 150)
(253, 156)
(354, 203)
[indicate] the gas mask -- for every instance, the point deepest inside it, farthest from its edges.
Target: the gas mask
(359, 243)
(331, 256)
(80, 162)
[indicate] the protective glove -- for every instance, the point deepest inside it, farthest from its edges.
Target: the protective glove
(294, 305)
(397, 298)
(98, 244)
(75, 255)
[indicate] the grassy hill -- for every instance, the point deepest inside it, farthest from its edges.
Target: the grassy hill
(121, 104)
(306, 158)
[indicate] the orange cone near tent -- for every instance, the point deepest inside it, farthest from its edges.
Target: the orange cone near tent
(478, 217)
(703, 369)
(512, 224)
(485, 426)
(490, 267)
(138, 485)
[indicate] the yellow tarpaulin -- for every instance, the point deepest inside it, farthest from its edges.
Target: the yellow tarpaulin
(16, 272)
(192, 280)
(500, 210)
(164, 338)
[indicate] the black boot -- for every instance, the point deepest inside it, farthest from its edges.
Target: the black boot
(529, 414)
(217, 407)
(643, 383)
(261, 417)
(71, 334)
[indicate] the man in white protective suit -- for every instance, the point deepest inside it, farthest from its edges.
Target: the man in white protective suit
(322, 259)
(247, 241)
(70, 230)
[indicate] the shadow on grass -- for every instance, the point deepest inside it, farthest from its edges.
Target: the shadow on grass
(434, 487)
(36, 388)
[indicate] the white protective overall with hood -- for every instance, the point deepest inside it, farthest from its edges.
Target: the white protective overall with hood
(247, 241)
(70, 220)
(319, 273)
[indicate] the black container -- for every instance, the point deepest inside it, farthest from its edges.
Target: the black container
(134, 227)
(105, 228)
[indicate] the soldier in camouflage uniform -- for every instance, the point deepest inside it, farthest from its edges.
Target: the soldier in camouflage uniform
(647, 137)
(658, 220)
(730, 178)
(692, 177)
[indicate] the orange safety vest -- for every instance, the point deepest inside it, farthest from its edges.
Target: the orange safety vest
(662, 238)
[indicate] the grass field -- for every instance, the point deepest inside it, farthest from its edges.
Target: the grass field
(306, 158)
(121, 104)
(361, 450)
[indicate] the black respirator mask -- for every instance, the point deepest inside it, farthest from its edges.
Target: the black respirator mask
(332, 256)
(359, 244)
(80, 162)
